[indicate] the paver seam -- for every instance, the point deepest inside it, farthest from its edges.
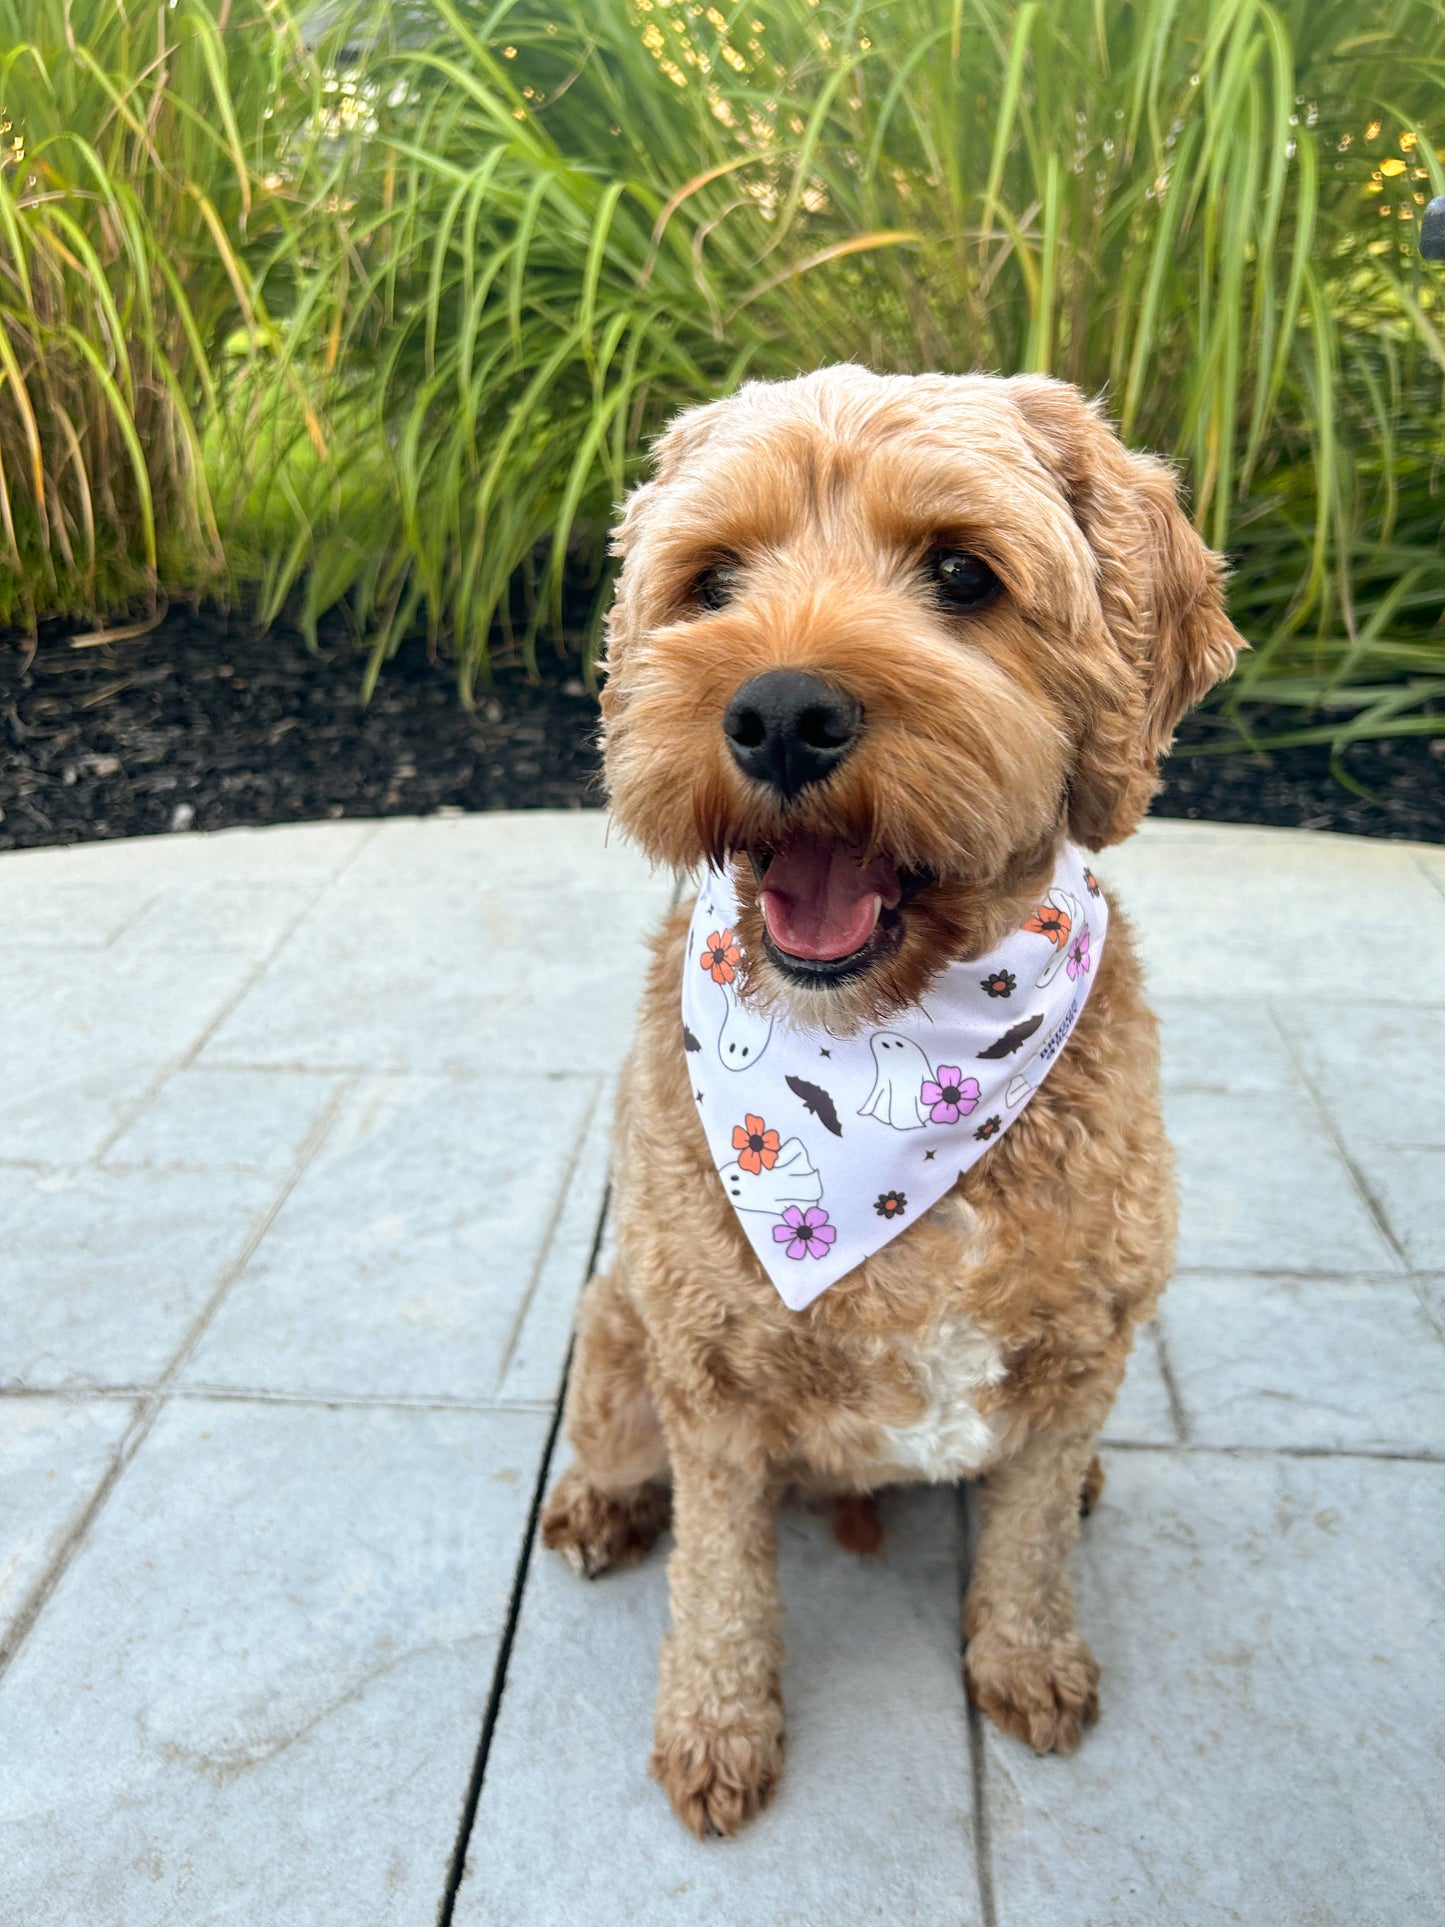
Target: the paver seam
(130, 924)
(1271, 1273)
(248, 983)
(1178, 1416)
(80, 1394)
(1436, 1318)
(154, 1399)
(1249, 1001)
(399, 1402)
(1316, 1276)
(1322, 1110)
(1396, 1454)
(1433, 875)
(456, 1872)
(967, 1500)
(554, 1218)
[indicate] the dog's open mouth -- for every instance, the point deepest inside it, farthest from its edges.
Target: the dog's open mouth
(828, 915)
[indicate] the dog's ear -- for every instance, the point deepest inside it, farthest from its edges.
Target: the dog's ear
(1161, 591)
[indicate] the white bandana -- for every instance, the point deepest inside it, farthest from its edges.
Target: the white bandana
(828, 1146)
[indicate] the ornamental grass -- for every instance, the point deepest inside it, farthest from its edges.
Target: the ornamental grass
(378, 305)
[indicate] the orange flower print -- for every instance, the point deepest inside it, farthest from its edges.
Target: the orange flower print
(755, 1144)
(721, 957)
(1051, 923)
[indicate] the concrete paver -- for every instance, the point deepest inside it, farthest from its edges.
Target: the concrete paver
(1282, 913)
(256, 1692)
(400, 1264)
(1408, 1180)
(102, 1273)
(536, 1349)
(226, 1120)
(873, 1821)
(1224, 1044)
(1268, 1630)
(91, 1033)
(1381, 1074)
(1263, 1187)
(302, 1163)
(530, 958)
(1339, 1364)
(54, 1453)
(1143, 1413)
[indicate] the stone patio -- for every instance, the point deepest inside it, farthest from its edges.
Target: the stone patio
(304, 1141)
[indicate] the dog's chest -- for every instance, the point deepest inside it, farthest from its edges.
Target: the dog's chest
(950, 1366)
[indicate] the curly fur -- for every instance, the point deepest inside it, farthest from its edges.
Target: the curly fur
(991, 1335)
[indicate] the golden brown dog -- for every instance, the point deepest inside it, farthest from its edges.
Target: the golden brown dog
(1012, 613)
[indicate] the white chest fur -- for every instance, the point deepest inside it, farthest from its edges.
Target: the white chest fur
(950, 1367)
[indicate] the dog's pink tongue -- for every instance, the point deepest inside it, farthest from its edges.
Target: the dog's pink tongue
(820, 902)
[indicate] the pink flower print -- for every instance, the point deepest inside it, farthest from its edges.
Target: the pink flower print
(1078, 964)
(807, 1234)
(950, 1095)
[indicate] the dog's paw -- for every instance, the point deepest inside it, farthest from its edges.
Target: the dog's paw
(1092, 1489)
(718, 1777)
(1044, 1695)
(595, 1531)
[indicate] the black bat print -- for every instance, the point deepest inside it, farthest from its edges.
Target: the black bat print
(689, 1042)
(1012, 1039)
(817, 1102)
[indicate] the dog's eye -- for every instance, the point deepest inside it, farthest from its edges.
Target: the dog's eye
(963, 581)
(717, 586)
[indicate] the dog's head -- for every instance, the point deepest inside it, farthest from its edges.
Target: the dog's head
(880, 642)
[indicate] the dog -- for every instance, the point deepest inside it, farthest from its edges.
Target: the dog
(976, 620)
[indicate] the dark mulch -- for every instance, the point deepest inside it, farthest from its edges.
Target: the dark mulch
(1403, 781)
(201, 725)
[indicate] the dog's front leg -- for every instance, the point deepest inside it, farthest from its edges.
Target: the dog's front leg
(1025, 1663)
(719, 1726)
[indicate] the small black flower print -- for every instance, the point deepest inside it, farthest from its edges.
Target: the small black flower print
(1093, 883)
(990, 1127)
(1000, 983)
(891, 1204)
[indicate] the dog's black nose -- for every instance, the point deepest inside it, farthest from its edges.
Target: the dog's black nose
(788, 729)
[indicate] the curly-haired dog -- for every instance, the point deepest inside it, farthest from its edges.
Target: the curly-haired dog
(898, 642)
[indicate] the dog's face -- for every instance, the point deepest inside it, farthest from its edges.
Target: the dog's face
(880, 642)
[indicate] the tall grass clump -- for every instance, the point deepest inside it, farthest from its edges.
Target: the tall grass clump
(145, 154)
(400, 291)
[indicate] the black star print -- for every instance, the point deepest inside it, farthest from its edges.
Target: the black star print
(927, 1156)
(698, 1096)
(824, 1053)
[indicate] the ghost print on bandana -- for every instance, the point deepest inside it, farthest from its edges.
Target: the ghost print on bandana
(827, 1147)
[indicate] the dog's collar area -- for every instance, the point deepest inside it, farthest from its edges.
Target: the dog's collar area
(826, 1146)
